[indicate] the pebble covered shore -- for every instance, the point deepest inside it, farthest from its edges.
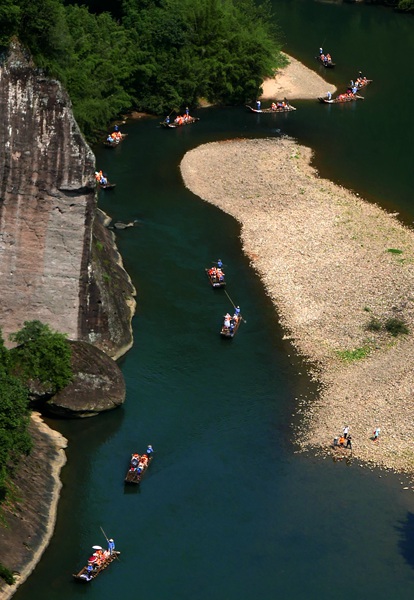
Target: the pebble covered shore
(333, 264)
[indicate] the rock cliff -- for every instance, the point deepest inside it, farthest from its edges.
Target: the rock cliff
(58, 262)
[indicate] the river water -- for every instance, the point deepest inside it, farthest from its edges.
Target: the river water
(228, 509)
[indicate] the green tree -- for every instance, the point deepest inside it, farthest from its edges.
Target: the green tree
(9, 21)
(14, 418)
(188, 49)
(43, 30)
(100, 68)
(42, 356)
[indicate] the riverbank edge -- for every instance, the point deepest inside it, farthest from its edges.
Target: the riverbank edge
(47, 506)
(295, 82)
(323, 256)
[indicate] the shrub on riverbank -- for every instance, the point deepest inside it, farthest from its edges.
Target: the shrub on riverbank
(42, 357)
(6, 574)
(393, 325)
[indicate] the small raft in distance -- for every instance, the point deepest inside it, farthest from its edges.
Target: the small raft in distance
(278, 109)
(342, 98)
(114, 141)
(106, 186)
(179, 123)
(327, 63)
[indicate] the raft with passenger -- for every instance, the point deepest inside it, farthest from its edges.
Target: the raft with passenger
(97, 563)
(340, 99)
(138, 466)
(106, 186)
(361, 82)
(230, 325)
(216, 277)
(326, 61)
(114, 139)
(102, 181)
(179, 121)
(276, 107)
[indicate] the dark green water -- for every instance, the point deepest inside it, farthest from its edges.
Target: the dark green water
(227, 510)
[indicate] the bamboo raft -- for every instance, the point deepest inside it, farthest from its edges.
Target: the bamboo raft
(133, 476)
(85, 575)
(341, 99)
(230, 332)
(215, 282)
(279, 109)
(174, 124)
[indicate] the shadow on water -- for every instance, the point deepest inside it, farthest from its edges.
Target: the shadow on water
(406, 531)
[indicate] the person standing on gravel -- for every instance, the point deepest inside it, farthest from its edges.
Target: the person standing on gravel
(376, 434)
(346, 431)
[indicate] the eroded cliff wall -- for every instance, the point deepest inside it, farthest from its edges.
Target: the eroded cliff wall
(48, 214)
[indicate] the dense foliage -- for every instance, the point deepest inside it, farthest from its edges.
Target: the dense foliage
(400, 5)
(154, 55)
(42, 357)
(14, 418)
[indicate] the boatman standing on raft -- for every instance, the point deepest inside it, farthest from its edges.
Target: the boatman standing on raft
(150, 450)
(111, 546)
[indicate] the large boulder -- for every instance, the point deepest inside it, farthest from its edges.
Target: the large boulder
(98, 384)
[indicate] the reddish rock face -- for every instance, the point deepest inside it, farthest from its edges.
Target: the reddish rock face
(47, 214)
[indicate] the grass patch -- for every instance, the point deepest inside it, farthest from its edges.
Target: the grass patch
(99, 246)
(394, 251)
(353, 355)
(374, 324)
(396, 326)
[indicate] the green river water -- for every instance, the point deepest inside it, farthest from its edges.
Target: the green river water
(228, 510)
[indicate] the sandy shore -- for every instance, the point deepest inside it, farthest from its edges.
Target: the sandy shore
(323, 255)
(295, 82)
(31, 516)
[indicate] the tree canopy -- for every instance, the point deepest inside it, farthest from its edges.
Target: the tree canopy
(42, 357)
(153, 55)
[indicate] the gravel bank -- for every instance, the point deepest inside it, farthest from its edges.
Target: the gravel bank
(324, 257)
(295, 82)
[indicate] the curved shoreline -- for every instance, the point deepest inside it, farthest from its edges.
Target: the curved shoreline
(295, 82)
(323, 256)
(31, 519)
